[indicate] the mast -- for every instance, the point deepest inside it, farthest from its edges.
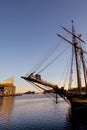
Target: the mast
(71, 70)
(74, 43)
(76, 58)
(84, 67)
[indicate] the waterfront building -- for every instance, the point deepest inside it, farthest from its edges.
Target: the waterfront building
(7, 87)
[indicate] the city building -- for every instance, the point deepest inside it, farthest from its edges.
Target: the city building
(7, 87)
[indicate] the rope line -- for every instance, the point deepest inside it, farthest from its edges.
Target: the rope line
(53, 60)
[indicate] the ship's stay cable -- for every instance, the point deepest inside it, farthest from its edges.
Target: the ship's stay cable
(39, 88)
(66, 73)
(53, 60)
(66, 76)
(42, 88)
(37, 67)
(63, 73)
(48, 94)
(85, 62)
(47, 56)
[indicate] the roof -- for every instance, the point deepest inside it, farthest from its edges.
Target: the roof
(8, 81)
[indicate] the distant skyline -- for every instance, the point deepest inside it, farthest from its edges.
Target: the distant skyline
(28, 32)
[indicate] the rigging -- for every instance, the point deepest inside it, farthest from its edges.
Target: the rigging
(53, 60)
(76, 97)
(38, 66)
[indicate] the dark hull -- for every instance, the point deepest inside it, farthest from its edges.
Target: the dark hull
(76, 105)
(78, 102)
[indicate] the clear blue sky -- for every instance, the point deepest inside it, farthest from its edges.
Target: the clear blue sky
(28, 31)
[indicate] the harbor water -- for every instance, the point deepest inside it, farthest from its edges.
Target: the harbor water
(38, 112)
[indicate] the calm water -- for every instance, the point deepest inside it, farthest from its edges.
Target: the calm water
(37, 112)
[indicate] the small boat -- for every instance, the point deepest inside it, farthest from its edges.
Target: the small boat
(75, 96)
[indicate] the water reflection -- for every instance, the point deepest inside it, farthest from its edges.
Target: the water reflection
(36, 112)
(6, 105)
(77, 119)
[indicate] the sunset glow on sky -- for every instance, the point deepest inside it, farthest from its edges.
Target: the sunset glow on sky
(28, 32)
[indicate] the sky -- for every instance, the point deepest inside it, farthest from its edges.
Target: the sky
(28, 32)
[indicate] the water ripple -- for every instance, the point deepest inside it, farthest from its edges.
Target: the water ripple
(36, 112)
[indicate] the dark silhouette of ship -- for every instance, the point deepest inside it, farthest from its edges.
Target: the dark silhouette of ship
(77, 97)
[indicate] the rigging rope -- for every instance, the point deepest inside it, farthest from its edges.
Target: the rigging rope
(66, 76)
(47, 57)
(44, 59)
(85, 61)
(37, 87)
(63, 73)
(53, 60)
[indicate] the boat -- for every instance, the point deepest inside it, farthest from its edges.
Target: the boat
(77, 98)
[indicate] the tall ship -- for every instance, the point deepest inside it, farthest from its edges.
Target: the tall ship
(76, 97)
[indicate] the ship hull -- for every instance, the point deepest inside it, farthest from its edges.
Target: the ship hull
(79, 102)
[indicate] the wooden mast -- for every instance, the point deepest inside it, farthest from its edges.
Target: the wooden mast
(76, 58)
(84, 67)
(76, 48)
